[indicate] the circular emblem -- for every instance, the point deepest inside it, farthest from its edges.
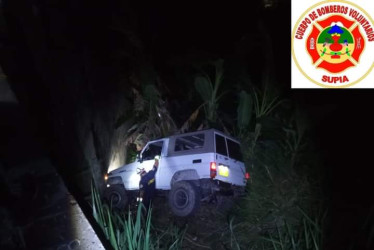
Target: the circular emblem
(333, 44)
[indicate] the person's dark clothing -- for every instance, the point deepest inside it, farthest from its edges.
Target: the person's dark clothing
(148, 186)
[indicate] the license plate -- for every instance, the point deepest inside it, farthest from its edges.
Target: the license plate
(223, 171)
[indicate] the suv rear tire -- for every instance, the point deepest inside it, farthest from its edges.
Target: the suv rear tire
(116, 197)
(184, 198)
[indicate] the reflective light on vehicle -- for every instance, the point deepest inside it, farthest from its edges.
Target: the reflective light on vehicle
(247, 176)
(223, 171)
(213, 170)
(213, 166)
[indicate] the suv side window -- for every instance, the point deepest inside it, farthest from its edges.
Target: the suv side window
(234, 150)
(189, 142)
(221, 145)
(152, 150)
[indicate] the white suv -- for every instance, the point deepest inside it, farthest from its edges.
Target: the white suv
(193, 167)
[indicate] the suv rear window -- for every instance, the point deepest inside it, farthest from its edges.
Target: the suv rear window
(221, 145)
(189, 142)
(234, 150)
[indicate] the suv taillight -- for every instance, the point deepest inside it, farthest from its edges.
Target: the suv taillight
(247, 176)
(213, 170)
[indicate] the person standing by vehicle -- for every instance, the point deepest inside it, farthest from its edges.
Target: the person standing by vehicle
(147, 184)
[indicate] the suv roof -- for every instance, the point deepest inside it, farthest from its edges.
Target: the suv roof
(207, 147)
(206, 130)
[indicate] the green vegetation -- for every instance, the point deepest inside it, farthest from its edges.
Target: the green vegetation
(282, 209)
(208, 91)
(134, 231)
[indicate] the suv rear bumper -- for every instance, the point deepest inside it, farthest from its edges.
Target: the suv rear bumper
(210, 186)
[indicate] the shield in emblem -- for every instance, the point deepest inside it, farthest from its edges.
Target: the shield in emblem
(335, 44)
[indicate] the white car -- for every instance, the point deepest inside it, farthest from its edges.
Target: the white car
(193, 167)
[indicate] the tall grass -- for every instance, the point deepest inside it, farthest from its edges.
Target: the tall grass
(134, 231)
(305, 235)
(284, 194)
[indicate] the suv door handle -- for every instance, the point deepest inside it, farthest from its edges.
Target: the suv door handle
(226, 158)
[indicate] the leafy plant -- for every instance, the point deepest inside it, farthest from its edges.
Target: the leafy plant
(134, 231)
(208, 91)
(150, 118)
(282, 191)
(264, 103)
(103, 217)
(244, 111)
(190, 121)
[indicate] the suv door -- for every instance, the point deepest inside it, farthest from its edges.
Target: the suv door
(222, 158)
(148, 156)
(237, 167)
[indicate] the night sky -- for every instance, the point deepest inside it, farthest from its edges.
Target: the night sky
(343, 118)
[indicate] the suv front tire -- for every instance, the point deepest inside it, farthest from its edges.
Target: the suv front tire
(116, 197)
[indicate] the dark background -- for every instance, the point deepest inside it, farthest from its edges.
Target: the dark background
(35, 54)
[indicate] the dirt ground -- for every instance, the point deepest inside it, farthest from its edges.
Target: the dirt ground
(207, 229)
